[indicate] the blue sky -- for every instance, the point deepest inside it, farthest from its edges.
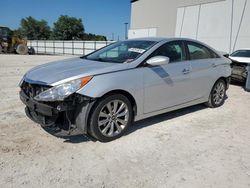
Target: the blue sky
(99, 16)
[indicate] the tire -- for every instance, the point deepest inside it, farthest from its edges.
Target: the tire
(32, 51)
(1, 49)
(217, 95)
(110, 118)
(22, 49)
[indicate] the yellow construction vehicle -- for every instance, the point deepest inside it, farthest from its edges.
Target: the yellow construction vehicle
(10, 42)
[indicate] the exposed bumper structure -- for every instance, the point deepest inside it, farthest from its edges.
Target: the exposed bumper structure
(241, 73)
(64, 115)
(247, 87)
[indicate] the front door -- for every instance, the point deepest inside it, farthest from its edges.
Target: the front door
(167, 85)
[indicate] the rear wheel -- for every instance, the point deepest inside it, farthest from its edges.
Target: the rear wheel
(22, 49)
(111, 117)
(1, 49)
(217, 95)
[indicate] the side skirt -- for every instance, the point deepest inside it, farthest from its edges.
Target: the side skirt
(191, 103)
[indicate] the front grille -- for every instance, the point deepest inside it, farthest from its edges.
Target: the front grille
(32, 90)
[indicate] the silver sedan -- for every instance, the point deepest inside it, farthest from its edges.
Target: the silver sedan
(102, 93)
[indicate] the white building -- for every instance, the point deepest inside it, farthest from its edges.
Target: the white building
(223, 24)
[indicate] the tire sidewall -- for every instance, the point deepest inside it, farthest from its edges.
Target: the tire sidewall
(93, 123)
(22, 52)
(211, 94)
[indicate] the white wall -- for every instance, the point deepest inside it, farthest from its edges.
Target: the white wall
(224, 25)
(66, 47)
(139, 33)
(243, 40)
(160, 14)
(187, 19)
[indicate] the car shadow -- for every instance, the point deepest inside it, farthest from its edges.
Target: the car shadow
(238, 83)
(164, 117)
(76, 137)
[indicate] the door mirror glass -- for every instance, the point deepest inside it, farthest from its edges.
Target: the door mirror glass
(158, 60)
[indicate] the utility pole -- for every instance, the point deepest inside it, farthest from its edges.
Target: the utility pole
(113, 36)
(126, 31)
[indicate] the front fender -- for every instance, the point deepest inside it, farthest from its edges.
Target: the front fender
(130, 81)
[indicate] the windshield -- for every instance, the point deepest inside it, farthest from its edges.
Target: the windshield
(241, 53)
(121, 52)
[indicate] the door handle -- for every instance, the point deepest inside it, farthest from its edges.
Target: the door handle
(214, 65)
(186, 71)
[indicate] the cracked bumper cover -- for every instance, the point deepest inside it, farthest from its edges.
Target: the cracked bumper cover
(59, 114)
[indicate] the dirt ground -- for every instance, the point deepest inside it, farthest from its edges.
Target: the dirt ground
(192, 147)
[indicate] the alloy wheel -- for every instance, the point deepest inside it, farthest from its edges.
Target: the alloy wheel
(219, 93)
(113, 118)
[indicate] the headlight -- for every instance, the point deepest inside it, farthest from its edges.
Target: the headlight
(60, 92)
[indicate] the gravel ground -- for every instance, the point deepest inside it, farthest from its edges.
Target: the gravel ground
(192, 147)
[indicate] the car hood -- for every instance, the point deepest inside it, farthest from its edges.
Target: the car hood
(240, 59)
(61, 71)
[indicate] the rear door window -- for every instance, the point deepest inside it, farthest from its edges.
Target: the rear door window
(198, 51)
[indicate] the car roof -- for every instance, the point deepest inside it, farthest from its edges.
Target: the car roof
(156, 39)
(159, 39)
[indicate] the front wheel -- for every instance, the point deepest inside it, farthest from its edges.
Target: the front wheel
(217, 95)
(110, 118)
(22, 49)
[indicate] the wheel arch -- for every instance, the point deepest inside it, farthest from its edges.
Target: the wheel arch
(209, 103)
(225, 79)
(112, 92)
(126, 94)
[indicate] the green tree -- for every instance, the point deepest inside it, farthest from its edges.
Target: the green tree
(34, 29)
(93, 37)
(68, 28)
(100, 38)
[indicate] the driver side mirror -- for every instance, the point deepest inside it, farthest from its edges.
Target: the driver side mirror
(158, 60)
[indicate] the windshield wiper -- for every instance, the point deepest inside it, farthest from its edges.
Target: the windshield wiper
(99, 59)
(104, 60)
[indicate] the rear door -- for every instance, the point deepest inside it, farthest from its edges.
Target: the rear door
(203, 63)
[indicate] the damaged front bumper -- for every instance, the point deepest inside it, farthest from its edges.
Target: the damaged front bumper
(241, 73)
(65, 115)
